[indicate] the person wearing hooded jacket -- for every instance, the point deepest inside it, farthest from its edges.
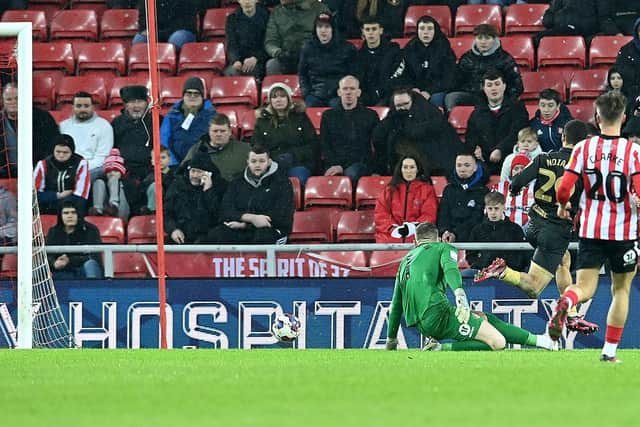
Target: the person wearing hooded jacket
(257, 208)
(549, 120)
(628, 62)
(428, 62)
(616, 17)
(324, 60)
(569, 18)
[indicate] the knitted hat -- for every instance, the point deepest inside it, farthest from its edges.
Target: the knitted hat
(66, 141)
(282, 86)
(193, 83)
(134, 92)
(114, 162)
(519, 160)
(202, 161)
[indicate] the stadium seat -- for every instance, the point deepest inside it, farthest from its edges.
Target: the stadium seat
(69, 85)
(524, 18)
(297, 191)
(356, 227)
(468, 16)
(368, 190)
(246, 124)
(380, 110)
(311, 227)
(521, 48)
(54, 56)
(139, 61)
(561, 52)
(110, 114)
(534, 82)
(60, 115)
(442, 15)
(604, 50)
(531, 110)
(202, 59)
(587, 84)
(235, 90)
(290, 80)
(43, 92)
(583, 111)
(129, 265)
(9, 267)
(214, 22)
(171, 89)
(100, 56)
(439, 183)
(493, 181)
(460, 45)
(189, 265)
(141, 230)
(111, 228)
(357, 43)
(47, 222)
(315, 115)
(74, 24)
(458, 117)
(328, 191)
(120, 24)
(120, 82)
(37, 18)
(11, 184)
(402, 41)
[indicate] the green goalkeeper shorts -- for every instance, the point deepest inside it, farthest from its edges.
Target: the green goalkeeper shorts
(440, 322)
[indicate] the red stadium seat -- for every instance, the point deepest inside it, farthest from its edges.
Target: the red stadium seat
(43, 91)
(531, 110)
(75, 24)
(54, 56)
(297, 191)
(439, 183)
(246, 124)
(524, 18)
(402, 42)
(111, 228)
(9, 267)
(521, 48)
(109, 115)
(493, 181)
(458, 117)
(189, 265)
(583, 111)
(10, 184)
(171, 89)
(236, 90)
(71, 84)
(468, 16)
(534, 82)
(100, 56)
(328, 191)
(311, 227)
(368, 190)
(37, 18)
(357, 43)
(47, 222)
(356, 227)
(315, 115)
(442, 15)
(587, 84)
(204, 57)
(60, 115)
(561, 52)
(119, 24)
(129, 265)
(380, 110)
(290, 80)
(461, 45)
(214, 22)
(604, 50)
(141, 230)
(139, 61)
(120, 82)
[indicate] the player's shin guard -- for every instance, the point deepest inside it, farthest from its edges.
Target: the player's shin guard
(512, 333)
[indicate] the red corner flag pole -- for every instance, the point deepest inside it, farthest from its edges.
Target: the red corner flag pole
(152, 38)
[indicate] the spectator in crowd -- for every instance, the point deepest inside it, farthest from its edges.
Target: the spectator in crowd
(227, 153)
(12, 5)
(290, 25)
(496, 227)
(257, 208)
(133, 131)
(187, 120)
(121, 4)
(549, 120)
(92, 134)
(168, 176)
(245, 29)
(615, 80)
(375, 62)
(486, 54)
(192, 204)
(407, 201)
(45, 131)
(284, 129)
(414, 126)
(176, 21)
(324, 60)
(345, 133)
(70, 230)
(517, 206)
(631, 130)
(527, 145)
(115, 194)
(8, 217)
(428, 63)
(462, 203)
(628, 60)
(62, 176)
(494, 124)
(569, 18)
(616, 17)
(390, 12)
(9, 129)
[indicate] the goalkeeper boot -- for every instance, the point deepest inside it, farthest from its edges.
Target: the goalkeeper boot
(556, 324)
(431, 344)
(580, 325)
(494, 270)
(609, 359)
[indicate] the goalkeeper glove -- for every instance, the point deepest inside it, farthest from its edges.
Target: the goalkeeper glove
(462, 306)
(392, 344)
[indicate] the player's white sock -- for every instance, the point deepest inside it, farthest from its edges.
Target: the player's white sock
(545, 341)
(609, 349)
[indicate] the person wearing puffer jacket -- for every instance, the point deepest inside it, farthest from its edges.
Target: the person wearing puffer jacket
(628, 62)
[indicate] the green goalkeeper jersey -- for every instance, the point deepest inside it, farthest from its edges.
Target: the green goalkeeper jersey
(421, 283)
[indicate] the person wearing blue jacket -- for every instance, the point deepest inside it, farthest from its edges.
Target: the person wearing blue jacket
(549, 120)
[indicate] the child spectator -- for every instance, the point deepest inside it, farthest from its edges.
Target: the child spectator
(527, 145)
(517, 207)
(549, 120)
(168, 175)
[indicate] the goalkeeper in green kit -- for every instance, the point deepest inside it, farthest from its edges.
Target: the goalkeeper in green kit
(420, 293)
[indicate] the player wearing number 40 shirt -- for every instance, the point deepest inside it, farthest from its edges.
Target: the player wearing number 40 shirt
(609, 167)
(547, 233)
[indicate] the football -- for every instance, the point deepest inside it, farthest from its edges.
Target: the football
(286, 327)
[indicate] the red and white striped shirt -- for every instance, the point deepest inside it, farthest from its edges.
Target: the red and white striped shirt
(517, 207)
(606, 166)
(81, 182)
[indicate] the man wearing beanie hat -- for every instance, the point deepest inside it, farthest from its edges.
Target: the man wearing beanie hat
(110, 191)
(62, 176)
(192, 203)
(187, 120)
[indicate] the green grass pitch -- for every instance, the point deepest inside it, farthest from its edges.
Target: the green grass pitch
(177, 388)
